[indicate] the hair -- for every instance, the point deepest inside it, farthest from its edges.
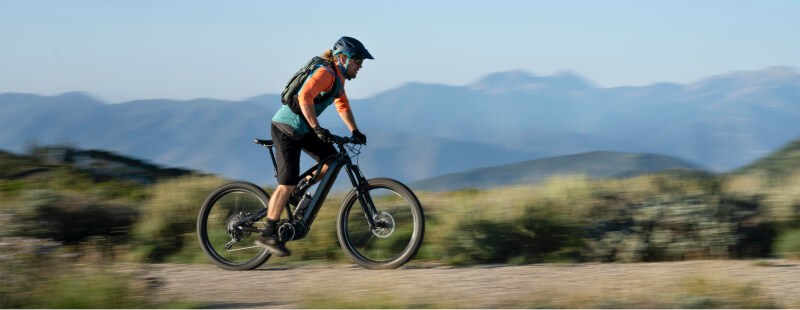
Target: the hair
(328, 55)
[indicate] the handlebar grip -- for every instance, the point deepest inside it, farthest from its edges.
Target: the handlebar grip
(343, 140)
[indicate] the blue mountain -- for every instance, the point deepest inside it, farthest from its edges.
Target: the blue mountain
(418, 131)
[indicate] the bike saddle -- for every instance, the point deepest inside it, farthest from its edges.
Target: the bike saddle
(267, 143)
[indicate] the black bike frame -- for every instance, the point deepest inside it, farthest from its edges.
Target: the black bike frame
(336, 163)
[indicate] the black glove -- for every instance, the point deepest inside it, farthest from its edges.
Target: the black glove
(324, 135)
(359, 137)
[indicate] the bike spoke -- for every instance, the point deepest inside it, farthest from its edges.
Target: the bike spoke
(250, 247)
(368, 233)
(367, 243)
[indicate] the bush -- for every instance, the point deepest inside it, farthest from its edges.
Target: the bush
(787, 244)
(667, 228)
(169, 216)
(69, 218)
(540, 231)
(11, 188)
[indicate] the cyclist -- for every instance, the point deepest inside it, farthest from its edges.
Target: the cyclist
(292, 132)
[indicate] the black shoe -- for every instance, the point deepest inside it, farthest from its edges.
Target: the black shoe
(273, 244)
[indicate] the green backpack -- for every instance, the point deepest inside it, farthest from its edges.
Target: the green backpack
(290, 92)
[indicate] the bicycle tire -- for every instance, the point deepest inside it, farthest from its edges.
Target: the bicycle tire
(217, 212)
(397, 236)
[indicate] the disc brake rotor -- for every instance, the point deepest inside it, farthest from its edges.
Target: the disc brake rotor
(384, 225)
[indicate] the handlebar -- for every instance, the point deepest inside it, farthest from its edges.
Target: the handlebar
(344, 140)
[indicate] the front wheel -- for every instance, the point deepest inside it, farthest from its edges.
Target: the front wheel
(399, 225)
(224, 243)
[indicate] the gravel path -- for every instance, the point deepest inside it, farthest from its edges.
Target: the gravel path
(485, 286)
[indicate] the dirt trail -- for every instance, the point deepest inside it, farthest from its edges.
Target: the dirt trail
(485, 286)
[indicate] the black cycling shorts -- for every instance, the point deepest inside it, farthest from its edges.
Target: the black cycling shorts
(287, 153)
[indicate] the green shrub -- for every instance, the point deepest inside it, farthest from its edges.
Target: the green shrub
(540, 231)
(787, 244)
(668, 227)
(170, 214)
(11, 188)
(70, 217)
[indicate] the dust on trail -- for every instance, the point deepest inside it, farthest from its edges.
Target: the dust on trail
(483, 286)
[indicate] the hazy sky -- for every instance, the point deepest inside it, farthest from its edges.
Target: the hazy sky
(124, 50)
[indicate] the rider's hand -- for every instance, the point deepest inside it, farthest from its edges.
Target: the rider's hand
(324, 135)
(359, 137)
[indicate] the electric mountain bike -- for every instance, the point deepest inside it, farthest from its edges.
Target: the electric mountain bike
(380, 224)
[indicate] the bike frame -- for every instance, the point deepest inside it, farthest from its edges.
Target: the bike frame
(335, 164)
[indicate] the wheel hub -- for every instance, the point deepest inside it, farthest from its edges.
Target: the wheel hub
(384, 225)
(235, 232)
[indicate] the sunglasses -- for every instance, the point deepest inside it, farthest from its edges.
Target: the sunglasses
(357, 61)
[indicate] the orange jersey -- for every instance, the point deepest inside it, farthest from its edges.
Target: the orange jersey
(323, 80)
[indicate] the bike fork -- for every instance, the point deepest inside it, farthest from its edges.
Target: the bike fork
(364, 199)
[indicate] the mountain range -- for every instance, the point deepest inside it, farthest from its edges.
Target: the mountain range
(418, 131)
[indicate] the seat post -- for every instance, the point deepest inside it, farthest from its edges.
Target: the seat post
(274, 164)
(269, 144)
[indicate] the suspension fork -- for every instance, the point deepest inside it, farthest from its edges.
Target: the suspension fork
(364, 199)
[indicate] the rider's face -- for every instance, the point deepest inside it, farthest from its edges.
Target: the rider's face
(353, 67)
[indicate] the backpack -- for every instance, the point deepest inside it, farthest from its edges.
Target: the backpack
(290, 92)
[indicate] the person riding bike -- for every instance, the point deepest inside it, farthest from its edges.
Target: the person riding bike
(292, 132)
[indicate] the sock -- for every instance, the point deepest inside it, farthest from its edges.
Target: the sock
(271, 229)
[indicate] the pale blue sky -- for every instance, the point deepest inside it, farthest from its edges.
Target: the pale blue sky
(124, 50)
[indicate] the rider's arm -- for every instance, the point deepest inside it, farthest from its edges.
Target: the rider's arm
(343, 107)
(347, 117)
(311, 115)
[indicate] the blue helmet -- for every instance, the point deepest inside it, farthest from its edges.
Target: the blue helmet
(352, 48)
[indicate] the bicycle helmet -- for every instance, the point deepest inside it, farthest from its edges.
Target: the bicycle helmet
(352, 48)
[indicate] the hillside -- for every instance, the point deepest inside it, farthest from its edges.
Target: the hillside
(781, 163)
(96, 165)
(593, 164)
(14, 166)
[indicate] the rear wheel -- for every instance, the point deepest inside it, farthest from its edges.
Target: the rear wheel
(225, 244)
(399, 226)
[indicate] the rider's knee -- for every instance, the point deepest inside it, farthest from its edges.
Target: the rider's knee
(285, 187)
